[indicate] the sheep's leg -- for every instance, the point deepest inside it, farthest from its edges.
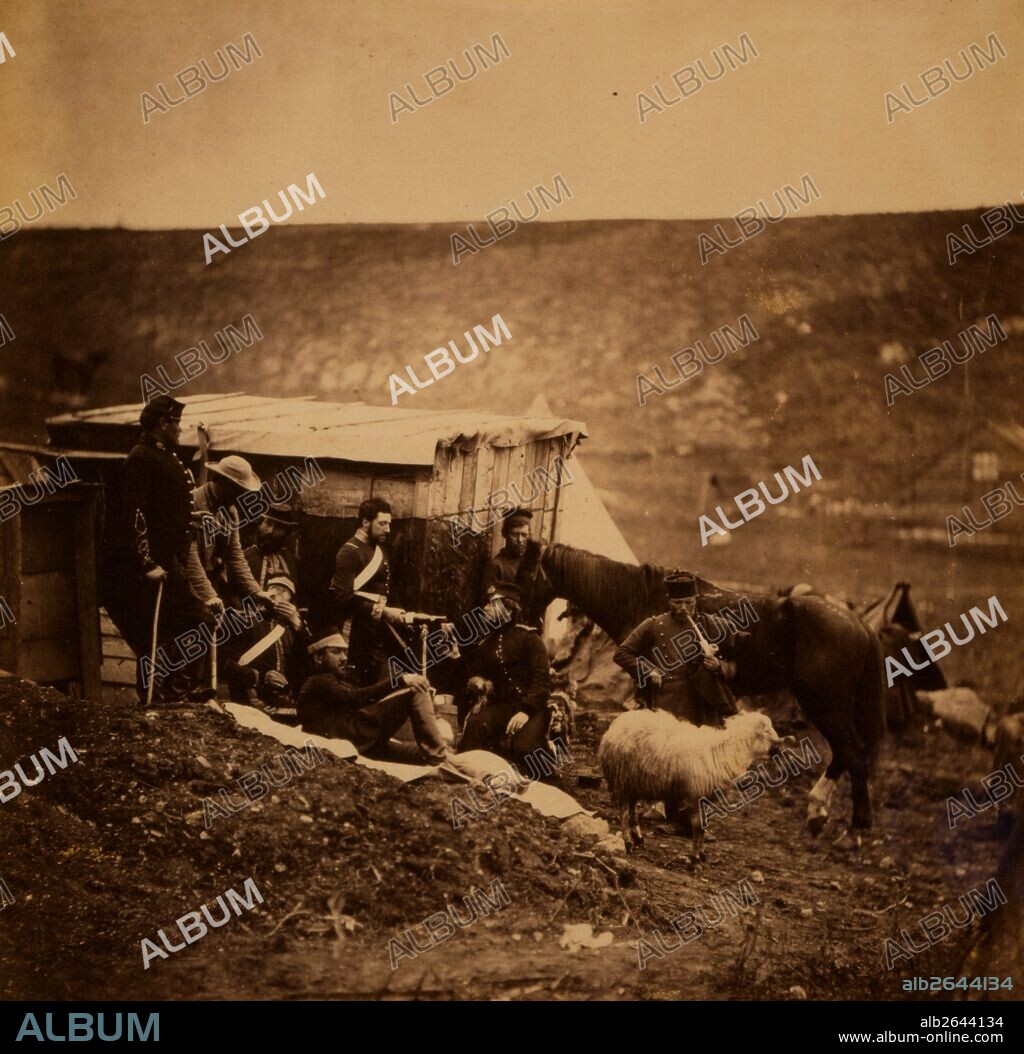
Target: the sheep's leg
(698, 834)
(624, 826)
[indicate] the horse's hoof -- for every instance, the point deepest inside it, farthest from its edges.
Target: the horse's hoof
(638, 840)
(816, 824)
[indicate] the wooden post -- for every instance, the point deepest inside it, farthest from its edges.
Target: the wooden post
(90, 652)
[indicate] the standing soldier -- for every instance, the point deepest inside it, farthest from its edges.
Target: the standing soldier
(518, 561)
(158, 549)
(224, 572)
(673, 658)
(360, 587)
(220, 575)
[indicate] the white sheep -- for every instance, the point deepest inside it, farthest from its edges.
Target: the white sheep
(650, 756)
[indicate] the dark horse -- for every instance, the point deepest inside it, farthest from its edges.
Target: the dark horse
(827, 657)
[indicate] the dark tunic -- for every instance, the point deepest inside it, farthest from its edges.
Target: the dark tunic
(156, 491)
(287, 656)
(360, 596)
(515, 660)
(265, 565)
(151, 528)
(689, 690)
(527, 573)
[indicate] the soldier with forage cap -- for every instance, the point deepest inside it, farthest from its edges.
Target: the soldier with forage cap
(515, 719)
(155, 544)
(518, 561)
(666, 660)
(332, 703)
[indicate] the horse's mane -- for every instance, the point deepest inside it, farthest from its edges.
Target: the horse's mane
(619, 596)
(616, 595)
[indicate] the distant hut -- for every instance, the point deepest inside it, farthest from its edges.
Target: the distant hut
(434, 467)
(976, 463)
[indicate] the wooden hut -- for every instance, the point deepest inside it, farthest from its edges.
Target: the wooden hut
(49, 624)
(432, 466)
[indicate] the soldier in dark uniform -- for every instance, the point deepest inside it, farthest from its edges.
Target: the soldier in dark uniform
(671, 663)
(512, 718)
(156, 545)
(360, 587)
(518, 561)
(333, 704)
(272, 554)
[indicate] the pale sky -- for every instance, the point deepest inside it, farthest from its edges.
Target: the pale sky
(565, 101)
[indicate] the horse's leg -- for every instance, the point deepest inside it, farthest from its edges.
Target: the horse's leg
(819, 799)
(838, 741)
(859, 772)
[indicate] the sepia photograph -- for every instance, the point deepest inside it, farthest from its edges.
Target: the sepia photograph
(511, 501)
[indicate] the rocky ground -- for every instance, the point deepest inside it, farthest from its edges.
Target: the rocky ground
(112, 848)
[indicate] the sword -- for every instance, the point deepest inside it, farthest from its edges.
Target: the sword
(266, 641)
(152, 651)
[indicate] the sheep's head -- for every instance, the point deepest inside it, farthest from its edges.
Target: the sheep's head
(757, 727)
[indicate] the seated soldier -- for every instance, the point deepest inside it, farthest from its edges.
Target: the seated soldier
(333, 704)
(264, 676)
(513, 719)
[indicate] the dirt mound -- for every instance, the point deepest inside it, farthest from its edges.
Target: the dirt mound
(112, 848)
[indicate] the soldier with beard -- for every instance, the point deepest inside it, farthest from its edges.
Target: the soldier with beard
(154, 548)
(360, 587)
(518, 561)
(672, 670)
(272, 555)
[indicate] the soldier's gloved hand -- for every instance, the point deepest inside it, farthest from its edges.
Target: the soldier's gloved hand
(215, 606)
(711, 663)
(516, 722)
(416, 680)
(264, 599)
(275, 682)
(156, 574)
(656, 677)
(393, 615)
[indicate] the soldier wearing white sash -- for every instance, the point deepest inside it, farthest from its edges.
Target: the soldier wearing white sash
(360, 586)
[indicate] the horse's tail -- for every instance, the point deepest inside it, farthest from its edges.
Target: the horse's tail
(870, 711)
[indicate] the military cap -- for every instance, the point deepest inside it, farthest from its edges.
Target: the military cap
(680, 585)
(161, 408)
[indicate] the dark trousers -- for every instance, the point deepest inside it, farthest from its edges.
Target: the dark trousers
(700, 696)
(486, 731)
(132, 607)
(370, 728)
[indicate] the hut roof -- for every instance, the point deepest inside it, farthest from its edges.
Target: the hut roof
(353, 432)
